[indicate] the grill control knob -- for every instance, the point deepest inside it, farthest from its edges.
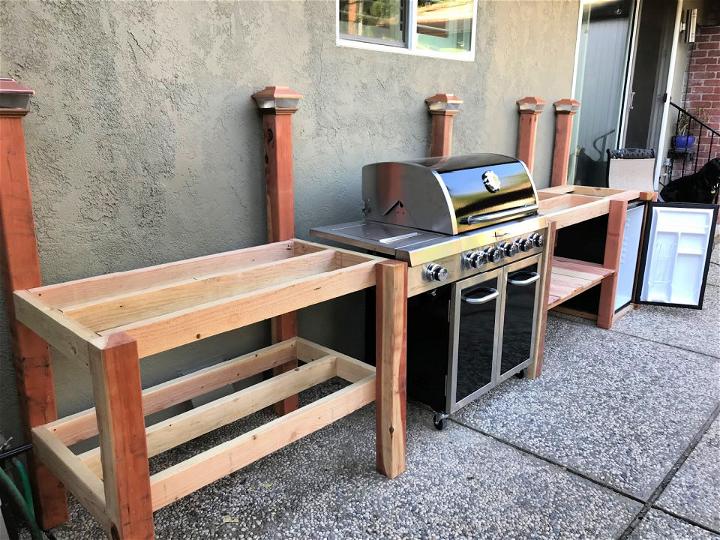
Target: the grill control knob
(475, 259)
(435, 272)
(526, 244)
(510, 249)
(538, 239)
(494, 254)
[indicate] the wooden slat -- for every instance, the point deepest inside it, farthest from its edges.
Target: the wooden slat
(391, 367)
(83, 425)
(225, 410)
(534, 370)
(571, 277)
(127, 308)
(348, 368)
(570, 216)
(74, 474)
(98, 287)
(118, 400)
(184, 478)
(62, 333)
(169, 331)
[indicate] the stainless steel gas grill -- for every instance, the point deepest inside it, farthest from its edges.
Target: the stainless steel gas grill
(469, 230)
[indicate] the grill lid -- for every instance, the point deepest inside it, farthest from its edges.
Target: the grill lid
(449, 195)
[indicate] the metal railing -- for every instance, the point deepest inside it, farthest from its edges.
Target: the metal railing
(690, 152)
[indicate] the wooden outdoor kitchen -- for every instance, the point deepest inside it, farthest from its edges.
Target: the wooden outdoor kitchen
(110, 323)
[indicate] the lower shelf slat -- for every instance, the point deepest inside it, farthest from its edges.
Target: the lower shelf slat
(184, 478)
(571, 277)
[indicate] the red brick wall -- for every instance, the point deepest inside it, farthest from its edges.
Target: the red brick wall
(702, 98)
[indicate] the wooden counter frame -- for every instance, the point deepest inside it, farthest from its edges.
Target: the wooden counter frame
(111, 322)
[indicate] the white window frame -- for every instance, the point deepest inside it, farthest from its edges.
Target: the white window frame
(410, 49)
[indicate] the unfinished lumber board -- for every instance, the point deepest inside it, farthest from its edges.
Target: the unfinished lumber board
(65, 335)
(225, 410)
(74, 474)
(126, 308)
(182, 479)
(98, 287)
(348, 368)
(611, 261)
(179, 328)
(83, 425)
(21, 270)
(391, 367)
(118, 400)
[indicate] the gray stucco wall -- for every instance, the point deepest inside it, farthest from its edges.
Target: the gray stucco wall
(144, 145)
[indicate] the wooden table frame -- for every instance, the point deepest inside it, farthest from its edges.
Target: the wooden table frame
(568, 205)
(111, 322)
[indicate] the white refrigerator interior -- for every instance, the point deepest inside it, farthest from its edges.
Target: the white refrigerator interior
(676, 255)
(629, 256)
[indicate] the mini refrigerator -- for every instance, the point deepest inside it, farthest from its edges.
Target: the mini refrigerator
(666, 254)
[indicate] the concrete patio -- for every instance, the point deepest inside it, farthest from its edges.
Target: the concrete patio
(620, 438)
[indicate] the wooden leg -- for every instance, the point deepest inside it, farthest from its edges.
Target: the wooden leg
(285, 327)
(613, 249)
(391, 366)
(535, 369)
(118, 401)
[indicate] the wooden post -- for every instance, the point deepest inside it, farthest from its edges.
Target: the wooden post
(535, 369)
(442, 109)
(565, 109)
(21, 270)
(391, 366)
(611, 260)
(123, 447)
(277, 104)
(530, 109)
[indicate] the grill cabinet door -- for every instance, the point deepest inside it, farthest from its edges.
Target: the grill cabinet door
(521, 300)
(475, 314)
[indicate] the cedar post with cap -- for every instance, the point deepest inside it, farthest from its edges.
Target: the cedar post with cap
(442, 109)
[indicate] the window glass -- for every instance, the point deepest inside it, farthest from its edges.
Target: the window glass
(379, 21)
(444, 25)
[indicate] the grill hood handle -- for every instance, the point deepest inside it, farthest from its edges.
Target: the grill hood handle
(482, 218)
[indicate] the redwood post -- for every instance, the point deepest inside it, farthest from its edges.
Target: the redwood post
(565, 109)
(442, 109)
(535, 369)
(391, 367)
(530, 109)
(21, 270)
(117, 389)
(277, 105)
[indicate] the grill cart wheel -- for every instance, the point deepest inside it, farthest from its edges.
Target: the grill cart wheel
(439, 421)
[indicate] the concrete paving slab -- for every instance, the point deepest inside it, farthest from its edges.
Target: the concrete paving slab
(694, 491)
(696, 330)
(614, 407)
(458, 484)
(714, 274)
(660, 526)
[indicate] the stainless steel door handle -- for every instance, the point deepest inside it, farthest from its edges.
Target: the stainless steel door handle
(483, 299)
(534, 276)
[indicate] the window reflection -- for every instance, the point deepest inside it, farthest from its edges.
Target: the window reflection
(380, 21)
(444, 25)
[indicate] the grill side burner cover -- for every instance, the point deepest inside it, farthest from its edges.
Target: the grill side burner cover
(449, 195)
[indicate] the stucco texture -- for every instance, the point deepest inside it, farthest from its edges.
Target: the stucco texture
(144, 145)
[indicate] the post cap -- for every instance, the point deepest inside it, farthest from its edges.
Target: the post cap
(566, 105)
(277, 99)
(14, 97)
(531, 104)
(443, 104)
